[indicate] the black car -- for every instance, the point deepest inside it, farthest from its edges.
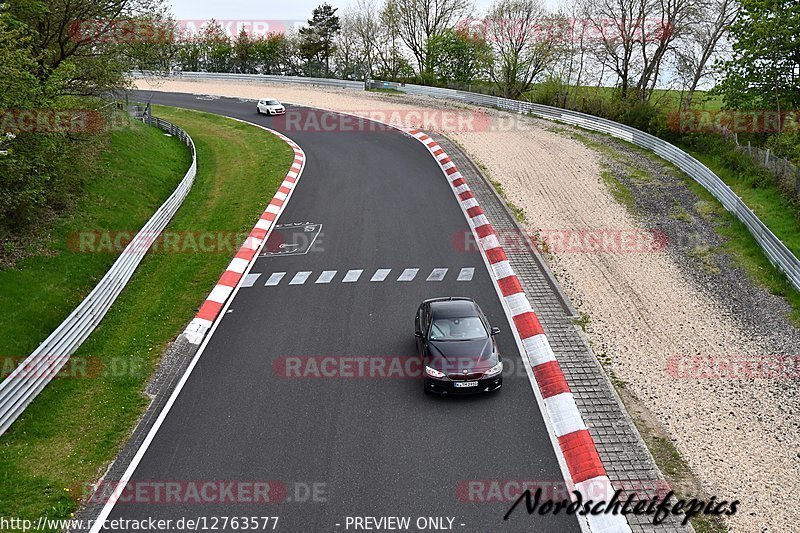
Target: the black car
(457, 346)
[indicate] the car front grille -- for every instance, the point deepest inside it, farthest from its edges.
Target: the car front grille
(470, 376)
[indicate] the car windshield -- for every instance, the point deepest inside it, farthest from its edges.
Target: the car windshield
(273, 102)
(458, 329)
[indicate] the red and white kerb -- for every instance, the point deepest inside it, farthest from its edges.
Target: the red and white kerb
(199, 326)
(584, 470)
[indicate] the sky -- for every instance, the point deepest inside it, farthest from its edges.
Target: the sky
(267, 9)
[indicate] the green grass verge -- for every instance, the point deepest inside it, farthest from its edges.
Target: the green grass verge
(750, 182)
(76, 426)
(138, 170)
(387, 90)
(665, 99)
(774, 210)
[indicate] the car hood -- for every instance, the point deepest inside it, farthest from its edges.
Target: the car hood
(456, 356)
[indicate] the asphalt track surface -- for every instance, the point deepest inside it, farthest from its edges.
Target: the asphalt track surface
(374, 446)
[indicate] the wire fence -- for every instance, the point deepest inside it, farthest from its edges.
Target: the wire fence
(787, 175)
(28, 379)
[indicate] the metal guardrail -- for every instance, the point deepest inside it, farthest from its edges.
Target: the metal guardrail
(777, 252)
(38, 369)
(261, 78)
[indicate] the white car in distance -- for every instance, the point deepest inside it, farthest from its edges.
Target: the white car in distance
(270, 107)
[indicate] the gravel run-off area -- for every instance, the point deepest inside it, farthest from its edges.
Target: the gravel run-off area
(652, 310)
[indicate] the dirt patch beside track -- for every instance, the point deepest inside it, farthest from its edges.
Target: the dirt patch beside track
(653, 324)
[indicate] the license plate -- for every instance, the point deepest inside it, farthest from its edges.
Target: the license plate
(460, 384)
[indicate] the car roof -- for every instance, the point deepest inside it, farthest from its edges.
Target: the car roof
(453, 307)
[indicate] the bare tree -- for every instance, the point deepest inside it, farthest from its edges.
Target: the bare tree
(668, 20)
(352, 51)
(703, 42)
(419, 20)
(524, 43)
(614, 23)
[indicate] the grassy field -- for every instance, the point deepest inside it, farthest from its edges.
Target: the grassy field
(74, 428)
(774, 209)
(665, 99)
(757, 188)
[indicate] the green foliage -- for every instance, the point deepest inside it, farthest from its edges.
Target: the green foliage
(458, 56)
(317, 39)
(59, 57)
(786, 145)
(70, 433)
(277, 54)
(631, 111)
(764, 70)
(215, 48)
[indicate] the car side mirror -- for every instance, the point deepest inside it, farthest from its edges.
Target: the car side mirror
(495, 330)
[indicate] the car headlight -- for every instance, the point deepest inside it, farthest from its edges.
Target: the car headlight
(432, 372)
(496, 369)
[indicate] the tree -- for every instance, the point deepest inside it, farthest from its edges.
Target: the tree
(244, 53)
(697, 50)
(47, 59)
(154, 44)
(764, 70)
(417, 21)
(317, 43)
(215, 48)
(525, 43)
(459, 55)
(190, 53)
(616, 24)
(78, 42)
(352, 51)
(668, 20)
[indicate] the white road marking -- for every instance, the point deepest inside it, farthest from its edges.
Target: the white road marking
(352, 276)
(250, 280)
(381, 274)
(466, 274)
(300, 277)
(326, 276)
(274, 279)
(408, 274)
(437, 274)
(162, 414)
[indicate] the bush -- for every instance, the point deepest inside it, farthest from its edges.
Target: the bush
(785, 145)
(553, 92)
(41, 173)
